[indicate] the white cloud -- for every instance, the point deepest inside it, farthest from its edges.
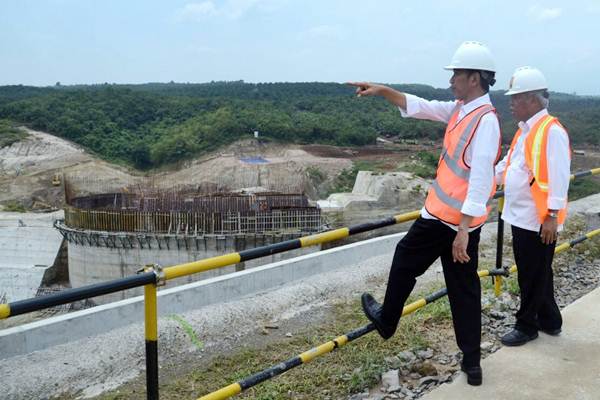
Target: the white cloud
(196, 11)
(232, 9)
(540, 13)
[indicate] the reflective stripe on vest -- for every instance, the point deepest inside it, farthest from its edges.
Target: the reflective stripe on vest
(448, 191)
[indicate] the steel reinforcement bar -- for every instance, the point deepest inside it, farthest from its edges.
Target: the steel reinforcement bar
(303, 358)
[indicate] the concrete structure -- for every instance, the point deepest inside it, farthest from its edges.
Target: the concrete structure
(128, 252)
(52, 331)
(379, 190)
(29, 246)
(549, 368)
(589, 207)
(112, 235)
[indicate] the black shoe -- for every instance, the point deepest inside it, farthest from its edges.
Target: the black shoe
(551, 332)
(474, 374)
(372, 310)
(517, 338)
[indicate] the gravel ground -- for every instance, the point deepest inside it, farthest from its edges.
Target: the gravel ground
(412, 374)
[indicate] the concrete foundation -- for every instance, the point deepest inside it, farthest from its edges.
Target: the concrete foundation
(102, 256)
(69, 327)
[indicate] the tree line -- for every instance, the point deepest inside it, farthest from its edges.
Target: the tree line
(153, 124)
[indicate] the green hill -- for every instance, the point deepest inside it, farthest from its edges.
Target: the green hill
(157, 123)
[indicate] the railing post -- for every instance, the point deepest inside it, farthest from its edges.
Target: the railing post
(151, 332)
(499, 248)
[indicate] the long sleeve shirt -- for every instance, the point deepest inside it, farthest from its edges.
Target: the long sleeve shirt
(480, 154)
(519, 207)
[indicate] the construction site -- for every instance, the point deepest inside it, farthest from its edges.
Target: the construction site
(246, 198)
(112, 235)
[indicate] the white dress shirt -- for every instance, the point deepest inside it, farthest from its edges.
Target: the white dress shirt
(519, 207)
(480, 154)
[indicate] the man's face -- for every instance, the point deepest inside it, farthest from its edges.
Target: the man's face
(461, 83)
(519, 106)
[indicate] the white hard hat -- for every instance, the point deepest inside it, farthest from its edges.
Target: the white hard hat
(526, 79)
(472, 55)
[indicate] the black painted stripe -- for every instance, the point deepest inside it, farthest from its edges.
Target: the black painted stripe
(582, 173)
(269, 373)
(274, 248)
(578, 240)
(363, 330)
(368, 226)
(152, 369)
(436, 295)
(84, 292)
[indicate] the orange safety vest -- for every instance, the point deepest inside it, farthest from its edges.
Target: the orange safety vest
(449, 190)
(536, 144)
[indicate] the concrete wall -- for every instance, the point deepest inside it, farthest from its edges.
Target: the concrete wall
(28, 247)
(89, 264)
(62, 329)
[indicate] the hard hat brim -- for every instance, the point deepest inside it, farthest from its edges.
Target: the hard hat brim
(453, 67)
(511, 92)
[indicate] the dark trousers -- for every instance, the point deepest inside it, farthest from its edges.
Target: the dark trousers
(534, 262)
(423, 244)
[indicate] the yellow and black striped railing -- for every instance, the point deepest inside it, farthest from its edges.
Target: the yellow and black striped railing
(307, 356)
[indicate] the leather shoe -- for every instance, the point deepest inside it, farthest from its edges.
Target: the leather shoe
(474, 374)
(372, 310)
(551, 332)
(517, 338)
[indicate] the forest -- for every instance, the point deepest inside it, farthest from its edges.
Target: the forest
(149, 125)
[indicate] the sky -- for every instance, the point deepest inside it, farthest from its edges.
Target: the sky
(393, 41)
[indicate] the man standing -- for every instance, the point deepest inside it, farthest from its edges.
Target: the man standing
(457, 202)
(535, 173)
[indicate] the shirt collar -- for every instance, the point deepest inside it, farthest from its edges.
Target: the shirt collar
(473, 104)
(526, 126)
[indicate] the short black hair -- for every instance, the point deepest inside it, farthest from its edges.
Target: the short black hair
(486, 78)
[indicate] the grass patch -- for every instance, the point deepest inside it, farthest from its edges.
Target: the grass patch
(14, 206)
(189, 330)
(9, 133)
(348, 370)
(424, 165)
(583, 187)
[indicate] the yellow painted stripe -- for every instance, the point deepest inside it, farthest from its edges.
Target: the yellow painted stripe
(407, 217)
(414, 306)
(561, 247)
(4, 311)
(224, 393)
(595, 171)
(498, 285)
(592, 233)
(177, 271)
(500, 204)
(341, 340)
(324, 237)
(483, 273)
(311, 354)
(151, 316)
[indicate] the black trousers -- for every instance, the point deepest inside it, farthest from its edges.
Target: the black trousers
(534, 262)
(425, 241)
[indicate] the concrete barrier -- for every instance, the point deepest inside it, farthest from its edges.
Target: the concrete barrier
(77, 325)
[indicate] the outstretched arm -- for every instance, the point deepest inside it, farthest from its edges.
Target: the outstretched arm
(371, 89)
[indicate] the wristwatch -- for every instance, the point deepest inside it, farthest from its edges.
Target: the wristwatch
(553, 214)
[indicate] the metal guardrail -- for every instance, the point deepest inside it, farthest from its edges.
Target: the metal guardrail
(152, 276)
(308, 356)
